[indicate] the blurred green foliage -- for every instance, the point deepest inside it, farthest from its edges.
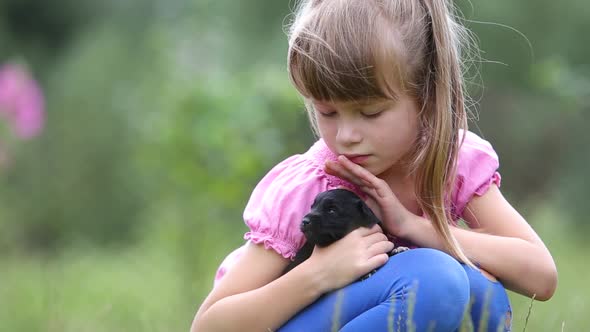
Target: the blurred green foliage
(162, 116)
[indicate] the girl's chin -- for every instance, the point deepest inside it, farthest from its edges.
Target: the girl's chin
(382, 171)
(375, 170)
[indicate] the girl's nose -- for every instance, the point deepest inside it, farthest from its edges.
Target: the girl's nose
(348, 133)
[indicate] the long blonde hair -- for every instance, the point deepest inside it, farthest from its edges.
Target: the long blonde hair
(351, 50)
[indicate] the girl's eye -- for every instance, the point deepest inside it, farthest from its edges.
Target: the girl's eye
(327, 114)
(372, 115)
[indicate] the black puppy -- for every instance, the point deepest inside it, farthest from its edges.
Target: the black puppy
(334, 214)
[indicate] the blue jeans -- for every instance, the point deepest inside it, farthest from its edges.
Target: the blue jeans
(417, 290)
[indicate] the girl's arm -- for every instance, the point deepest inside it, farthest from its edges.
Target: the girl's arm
(500, 241)
(253, 296)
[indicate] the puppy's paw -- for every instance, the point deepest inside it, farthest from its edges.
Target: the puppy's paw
(398, 250)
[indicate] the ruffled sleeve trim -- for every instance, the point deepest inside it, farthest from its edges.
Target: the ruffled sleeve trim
(285, 249)
(495, 179)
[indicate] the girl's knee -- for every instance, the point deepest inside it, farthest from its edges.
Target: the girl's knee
(491, 310)
(434, 267)
(490, 305)
(435, 284)
(442, 275)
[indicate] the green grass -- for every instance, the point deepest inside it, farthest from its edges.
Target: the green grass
(93, 291)
(149, 289)
(569, 306)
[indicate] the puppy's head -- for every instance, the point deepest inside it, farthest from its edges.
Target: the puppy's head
(335, 213)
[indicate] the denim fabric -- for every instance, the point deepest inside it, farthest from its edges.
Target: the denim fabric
(417, 290)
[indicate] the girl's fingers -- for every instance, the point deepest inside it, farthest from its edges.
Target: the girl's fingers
(336, 169)
(376, 261)
(343, 171)
(380, 248)
(355, 174)
(375, 238)
(375, 199)
(366, 177)
(364, 231)
(370, 191)
(376, 188)
(358, 170)
(379, 191)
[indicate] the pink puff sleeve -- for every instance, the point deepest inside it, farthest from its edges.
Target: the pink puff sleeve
(477, 167)
(279, 202)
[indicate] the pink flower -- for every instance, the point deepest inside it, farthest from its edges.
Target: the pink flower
(21, 101)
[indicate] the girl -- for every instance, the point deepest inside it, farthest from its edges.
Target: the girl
(383, 87)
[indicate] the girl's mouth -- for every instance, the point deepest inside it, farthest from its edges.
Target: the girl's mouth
(357, 158)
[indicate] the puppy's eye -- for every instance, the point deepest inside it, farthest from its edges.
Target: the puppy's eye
(331, 210)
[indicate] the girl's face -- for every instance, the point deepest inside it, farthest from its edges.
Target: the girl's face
(375, 135)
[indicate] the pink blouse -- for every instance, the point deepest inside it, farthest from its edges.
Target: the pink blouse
(285, 194)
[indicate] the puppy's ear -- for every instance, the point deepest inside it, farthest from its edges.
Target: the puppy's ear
(368, 216)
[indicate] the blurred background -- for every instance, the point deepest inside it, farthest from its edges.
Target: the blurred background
(132, 133)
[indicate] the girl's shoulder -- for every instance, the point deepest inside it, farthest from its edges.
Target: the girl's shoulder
(284, 195)
(473, 146)
(477, 169)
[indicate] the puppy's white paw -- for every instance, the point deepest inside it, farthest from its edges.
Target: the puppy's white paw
(398, 250)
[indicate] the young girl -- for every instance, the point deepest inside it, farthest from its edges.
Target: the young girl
(383, 87)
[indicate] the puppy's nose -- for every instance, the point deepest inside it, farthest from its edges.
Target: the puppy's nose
(305, 223)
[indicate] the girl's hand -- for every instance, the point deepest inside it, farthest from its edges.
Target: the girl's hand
(381, 200)
(346, 260)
